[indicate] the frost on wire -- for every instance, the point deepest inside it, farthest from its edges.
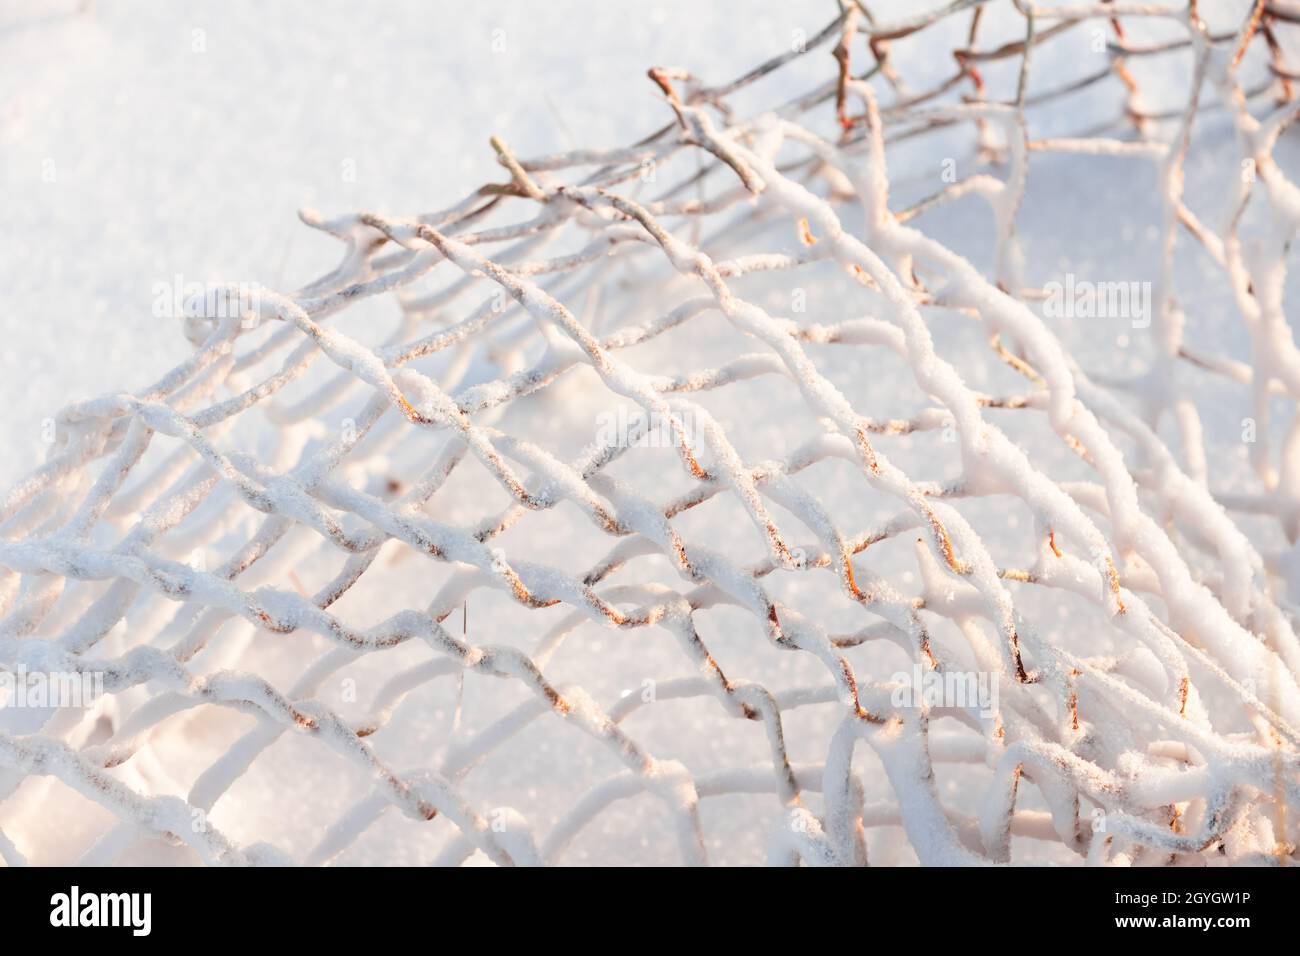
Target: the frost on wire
(1178, 743)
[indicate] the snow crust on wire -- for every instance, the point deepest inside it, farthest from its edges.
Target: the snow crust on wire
(1148, 738)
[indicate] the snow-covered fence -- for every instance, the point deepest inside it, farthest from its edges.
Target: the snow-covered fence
(1180, 742)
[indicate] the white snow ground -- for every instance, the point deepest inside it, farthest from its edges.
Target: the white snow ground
(168, 160)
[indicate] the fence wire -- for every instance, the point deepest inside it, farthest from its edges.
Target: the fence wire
(98, 533)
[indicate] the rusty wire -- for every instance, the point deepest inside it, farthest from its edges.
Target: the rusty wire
(93, 534)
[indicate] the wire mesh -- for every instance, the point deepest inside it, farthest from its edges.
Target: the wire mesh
(1180, 743)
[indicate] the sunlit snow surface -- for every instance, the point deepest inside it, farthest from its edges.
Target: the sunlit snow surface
(140, 147)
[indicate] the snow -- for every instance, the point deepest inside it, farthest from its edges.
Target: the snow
(372, 552)
(169, 161)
